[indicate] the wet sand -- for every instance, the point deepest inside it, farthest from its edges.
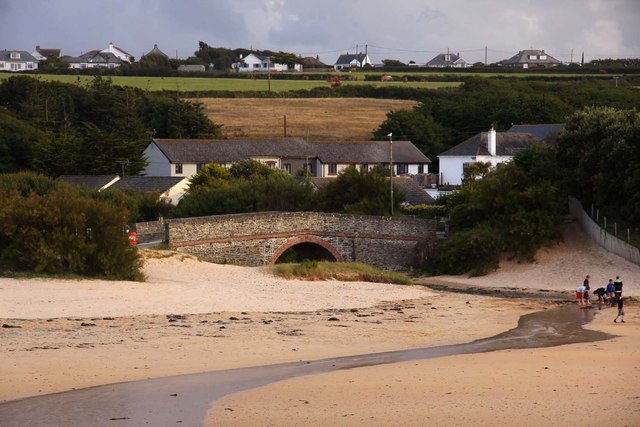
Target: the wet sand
(194, 317)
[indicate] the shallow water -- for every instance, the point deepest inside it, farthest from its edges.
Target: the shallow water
(185, 399)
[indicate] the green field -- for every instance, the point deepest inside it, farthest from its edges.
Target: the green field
(196, 84)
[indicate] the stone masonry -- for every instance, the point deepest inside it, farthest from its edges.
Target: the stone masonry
(260, 238)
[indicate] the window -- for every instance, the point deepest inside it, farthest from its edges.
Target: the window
(402, 168)
(333, 169)
(308, 168)
(178, 168)
(287, 167)
(30, 65)
(420, 168)
(199, 167)
(15, 55)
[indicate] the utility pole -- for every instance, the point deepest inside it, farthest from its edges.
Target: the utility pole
(391, 169)
(485, 55)
(123, 163)
(269, 72)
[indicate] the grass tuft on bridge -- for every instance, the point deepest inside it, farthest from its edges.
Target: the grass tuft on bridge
(346, 271)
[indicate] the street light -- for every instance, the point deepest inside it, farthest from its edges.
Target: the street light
(391, 168)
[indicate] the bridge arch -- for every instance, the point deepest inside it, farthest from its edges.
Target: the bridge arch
(307, 240)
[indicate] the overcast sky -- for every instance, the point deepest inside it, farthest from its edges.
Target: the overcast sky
(397, 29)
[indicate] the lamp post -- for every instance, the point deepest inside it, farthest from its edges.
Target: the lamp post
(391, 168)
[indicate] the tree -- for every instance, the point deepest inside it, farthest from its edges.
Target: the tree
(359, 192)
(290, 59)
(414, 126)
(393, 63)
(599, 151)
(515, 209)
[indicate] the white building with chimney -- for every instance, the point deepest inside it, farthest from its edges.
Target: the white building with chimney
(487, 147)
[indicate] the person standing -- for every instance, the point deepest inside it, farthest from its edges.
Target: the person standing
(587, 288)
(617, 288)
(620, 311)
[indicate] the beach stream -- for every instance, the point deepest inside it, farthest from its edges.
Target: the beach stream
(185, 399)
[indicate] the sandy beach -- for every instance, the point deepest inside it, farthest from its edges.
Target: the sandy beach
(191, 316)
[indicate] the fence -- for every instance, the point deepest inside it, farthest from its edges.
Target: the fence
(601, 236)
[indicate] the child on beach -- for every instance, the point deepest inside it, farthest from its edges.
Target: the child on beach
(620, 311)
(609, 295)
(580, 290)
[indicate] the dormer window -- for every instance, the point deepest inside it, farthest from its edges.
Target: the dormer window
(15, 55)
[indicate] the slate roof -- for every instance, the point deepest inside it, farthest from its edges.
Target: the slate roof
(507, 144)
(234, 150)
(413, 193)
(368, 152)
(48, 52)
(440, 60)
(94, 56)
(541, 131)
(347, 58)
(230, 150)
(91, 182)
(156, 51)
(143, 184)
(522, 57)
(5, 55)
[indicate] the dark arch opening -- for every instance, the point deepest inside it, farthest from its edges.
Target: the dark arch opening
(305, 252)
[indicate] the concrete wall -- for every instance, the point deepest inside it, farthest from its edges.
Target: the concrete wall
(259, 238)
(601, 237)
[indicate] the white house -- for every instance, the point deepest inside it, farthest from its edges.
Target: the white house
(530, 58)
(185, 157)
(253, 62)
(447, 60)
(486, 147)
(17, 60)
(93, 59)
(119, 53)
(349, 61)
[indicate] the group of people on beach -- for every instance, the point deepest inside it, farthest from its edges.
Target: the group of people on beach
(611, 293)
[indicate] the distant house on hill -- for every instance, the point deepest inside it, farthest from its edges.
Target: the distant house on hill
(120, 53)
(313, 62)
(17, 60)
(530, 58)
(185, 157)
(486, 147)
(349, 61)
(41, 54)
(446, 60)
(93, 59)
(156, 51)
(253, 62)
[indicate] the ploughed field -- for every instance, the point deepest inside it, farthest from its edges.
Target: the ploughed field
(317, 118)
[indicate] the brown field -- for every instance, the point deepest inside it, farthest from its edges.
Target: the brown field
(326, 118)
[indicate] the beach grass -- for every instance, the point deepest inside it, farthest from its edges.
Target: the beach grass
(346, 271)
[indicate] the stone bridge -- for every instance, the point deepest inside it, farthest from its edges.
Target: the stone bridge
(262, 238)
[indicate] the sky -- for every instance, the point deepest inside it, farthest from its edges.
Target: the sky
(406, 30)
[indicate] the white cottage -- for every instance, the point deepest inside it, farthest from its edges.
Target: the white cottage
(17, 60)
(253, 62)
(486, 147)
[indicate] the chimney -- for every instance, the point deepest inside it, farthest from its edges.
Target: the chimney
(491, 141)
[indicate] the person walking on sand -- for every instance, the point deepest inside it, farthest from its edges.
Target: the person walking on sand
(620, 311)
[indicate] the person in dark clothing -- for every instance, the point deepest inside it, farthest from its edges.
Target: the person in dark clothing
(617, 288)
(600, 292)
(620, 311)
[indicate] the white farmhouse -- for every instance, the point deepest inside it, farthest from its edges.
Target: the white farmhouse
(17, 60)
(486, 147)
(253, 62)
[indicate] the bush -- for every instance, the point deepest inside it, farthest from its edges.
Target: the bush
(62, 232)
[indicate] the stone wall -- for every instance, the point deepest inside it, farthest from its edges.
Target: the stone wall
(151, 231)
(258, 238)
